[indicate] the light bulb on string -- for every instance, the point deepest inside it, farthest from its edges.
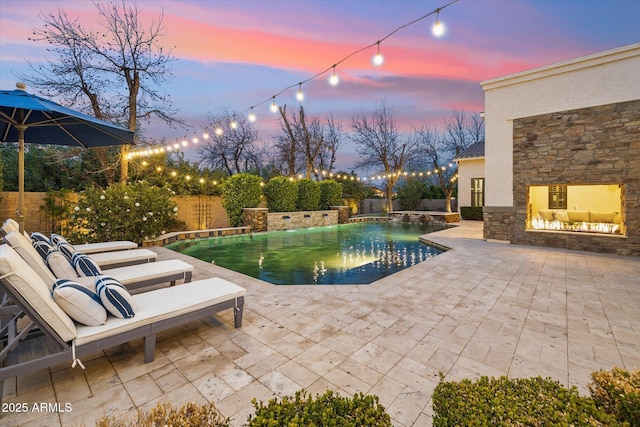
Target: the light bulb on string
(233, 123)
(252, 116)
(300, 94)
(334, 79)
(219, 131)
(274, 107)
(195, 139)
(205, 136)
(438, 27)
(377, 59)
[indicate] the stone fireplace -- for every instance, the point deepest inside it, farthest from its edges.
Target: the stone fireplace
(576, 179)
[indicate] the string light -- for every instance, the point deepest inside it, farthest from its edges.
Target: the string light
(334, 79)
(300, 94)
(438, 29)
(219, 131)
(234, 123)
(377, 59)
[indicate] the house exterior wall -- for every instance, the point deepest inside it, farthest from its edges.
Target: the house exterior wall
(604, 78)
(468, 169)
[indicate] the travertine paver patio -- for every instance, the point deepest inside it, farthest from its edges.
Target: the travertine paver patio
(482, 308)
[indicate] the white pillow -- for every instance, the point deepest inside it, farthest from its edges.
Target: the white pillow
(60, 266)
(56, 239)
(79, 302)
(68, 251)
(43, 248)
(85, 266)
(114, 297)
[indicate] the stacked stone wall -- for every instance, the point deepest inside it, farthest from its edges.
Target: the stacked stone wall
(597, 145)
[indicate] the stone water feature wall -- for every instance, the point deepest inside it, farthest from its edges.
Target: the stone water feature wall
(260, 219)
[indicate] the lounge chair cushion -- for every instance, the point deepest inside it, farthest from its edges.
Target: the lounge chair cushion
(116, 245)
(79, 302)
(56, 239)
(33, 289)
(43, 248)
(26, 250)
(164, 304)
(114, 297)
(85, 266)
(60, 265)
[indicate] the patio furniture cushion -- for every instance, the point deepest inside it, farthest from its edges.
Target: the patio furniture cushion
(607, 217)
(28, 252)
(121, 258)
(43, 248)
(546, 214)
(116, 245)
(578, 216)
(79, 302)
(60, 266)
(114, 297)
(33, 289)
(85, 266)
(164, 304)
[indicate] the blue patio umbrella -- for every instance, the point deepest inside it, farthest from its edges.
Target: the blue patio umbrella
(43, 121)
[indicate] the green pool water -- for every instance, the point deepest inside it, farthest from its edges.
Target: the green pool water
(357, 253)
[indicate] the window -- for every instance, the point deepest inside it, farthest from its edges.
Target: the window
(557, 197)
(477, 191)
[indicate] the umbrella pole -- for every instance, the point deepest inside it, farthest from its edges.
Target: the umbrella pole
(21, 212)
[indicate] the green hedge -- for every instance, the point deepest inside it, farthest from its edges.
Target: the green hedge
(308, 195)
(514, 402)
(471, 212)
(330, 194)
(240, 191)
(281, 194)
(328, 410)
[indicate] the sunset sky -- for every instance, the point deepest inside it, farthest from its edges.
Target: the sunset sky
(235, 54)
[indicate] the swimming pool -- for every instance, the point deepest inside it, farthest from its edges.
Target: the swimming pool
(358, 253)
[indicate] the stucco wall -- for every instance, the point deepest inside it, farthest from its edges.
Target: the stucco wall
(603, 78)
(467, 170)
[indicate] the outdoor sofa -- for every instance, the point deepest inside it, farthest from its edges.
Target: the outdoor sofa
(155, 311)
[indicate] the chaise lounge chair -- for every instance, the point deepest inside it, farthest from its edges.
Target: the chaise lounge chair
(155, 311)
(106, 254)
(133, 277)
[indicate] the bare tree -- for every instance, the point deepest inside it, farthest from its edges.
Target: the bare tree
(333, 137)
(380, 146)
(115, 73)
(440, 149)
(231, 146)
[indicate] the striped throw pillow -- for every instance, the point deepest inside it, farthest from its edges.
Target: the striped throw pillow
(39, 237)
(85, 266)
(68, 250)
(43, 248)
(114, 297)
(79, 302)
(56, 239)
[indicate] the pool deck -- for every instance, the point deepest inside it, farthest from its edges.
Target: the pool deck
(482, 308)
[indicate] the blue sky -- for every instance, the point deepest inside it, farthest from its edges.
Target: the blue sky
(235, 54)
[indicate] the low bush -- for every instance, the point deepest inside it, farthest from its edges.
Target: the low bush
(308, 195)
(163, 414)
(135, 212)
(618, 393)
(514, 402)
(471, 212)
(240, 191)
(328, 410)
(281, 194)
(330, 194)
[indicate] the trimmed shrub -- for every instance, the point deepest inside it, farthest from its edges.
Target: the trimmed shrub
(308, 195)
(330, 194)
(618, 393)
(471, 212)
(163, 414)
(328, 410)
(135, 212)
(240, 191)
(281, 194)
(512, 402)
(411, 193)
